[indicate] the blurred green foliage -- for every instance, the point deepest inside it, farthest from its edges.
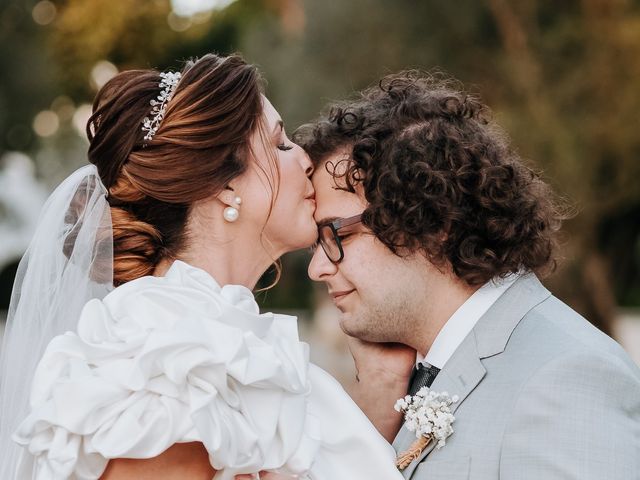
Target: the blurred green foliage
(561, 77)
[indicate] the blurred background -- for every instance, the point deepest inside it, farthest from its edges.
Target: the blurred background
(563, 79)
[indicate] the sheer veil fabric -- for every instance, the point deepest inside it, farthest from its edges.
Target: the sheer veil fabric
(68, 262)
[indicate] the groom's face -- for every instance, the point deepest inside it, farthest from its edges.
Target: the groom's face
(373, 288)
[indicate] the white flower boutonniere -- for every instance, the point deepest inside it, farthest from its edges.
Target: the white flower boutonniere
(428, 414)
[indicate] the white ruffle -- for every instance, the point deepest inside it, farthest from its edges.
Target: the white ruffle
(165, 360)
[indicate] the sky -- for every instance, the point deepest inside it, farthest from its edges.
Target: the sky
(191, 7)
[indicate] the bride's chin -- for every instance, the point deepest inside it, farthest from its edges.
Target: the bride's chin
(305, 238)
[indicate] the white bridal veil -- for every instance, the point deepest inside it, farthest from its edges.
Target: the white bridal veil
(68, 262)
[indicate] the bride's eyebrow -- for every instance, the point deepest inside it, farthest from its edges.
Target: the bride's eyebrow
(278, 128)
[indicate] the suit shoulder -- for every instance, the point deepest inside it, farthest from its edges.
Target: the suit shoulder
(589, 368)
(553, 329)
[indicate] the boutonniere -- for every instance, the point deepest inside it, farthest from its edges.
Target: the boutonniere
(428, 414)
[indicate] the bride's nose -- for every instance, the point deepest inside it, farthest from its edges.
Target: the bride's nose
(306, 163)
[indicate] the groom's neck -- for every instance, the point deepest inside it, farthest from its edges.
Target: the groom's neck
(443, 295)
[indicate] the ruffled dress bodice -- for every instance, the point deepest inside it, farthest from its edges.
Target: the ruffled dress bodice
(173, 359)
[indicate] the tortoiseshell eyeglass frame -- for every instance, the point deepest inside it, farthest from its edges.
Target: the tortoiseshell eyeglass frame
(329, 238)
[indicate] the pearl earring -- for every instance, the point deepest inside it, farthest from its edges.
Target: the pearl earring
(231, 214)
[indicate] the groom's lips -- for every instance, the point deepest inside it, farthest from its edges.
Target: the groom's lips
(336, 296)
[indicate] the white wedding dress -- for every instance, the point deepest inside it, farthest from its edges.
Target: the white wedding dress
(165, 360)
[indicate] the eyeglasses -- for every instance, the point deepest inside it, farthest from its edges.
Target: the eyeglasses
(329, 236)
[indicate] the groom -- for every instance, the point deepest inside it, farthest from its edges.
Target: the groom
(433, 235)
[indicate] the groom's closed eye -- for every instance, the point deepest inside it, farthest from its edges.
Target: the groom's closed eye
(327, 220)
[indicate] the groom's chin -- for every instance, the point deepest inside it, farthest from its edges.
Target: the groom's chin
(351, 327)
(345, 324)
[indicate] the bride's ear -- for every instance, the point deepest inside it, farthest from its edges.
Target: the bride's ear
(228, 196)
(233, 201)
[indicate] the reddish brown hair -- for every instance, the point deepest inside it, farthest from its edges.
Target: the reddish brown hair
(202, 144)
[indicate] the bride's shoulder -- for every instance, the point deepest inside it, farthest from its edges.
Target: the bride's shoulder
(158, 302)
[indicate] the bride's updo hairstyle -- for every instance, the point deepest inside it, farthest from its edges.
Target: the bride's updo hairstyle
(202, 143)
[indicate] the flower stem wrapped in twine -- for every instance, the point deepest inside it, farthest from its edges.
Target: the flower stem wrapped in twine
(416, 448)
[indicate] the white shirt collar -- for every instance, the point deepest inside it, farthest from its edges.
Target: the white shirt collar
(463, 320)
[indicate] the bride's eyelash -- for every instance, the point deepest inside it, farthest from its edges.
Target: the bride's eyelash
(284, 147)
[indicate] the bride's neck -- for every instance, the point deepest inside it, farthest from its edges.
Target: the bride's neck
(231, 263)
(232, 254)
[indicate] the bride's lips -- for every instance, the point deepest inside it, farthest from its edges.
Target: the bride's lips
(312, 198)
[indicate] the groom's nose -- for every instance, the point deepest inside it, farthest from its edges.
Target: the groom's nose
(320, 267)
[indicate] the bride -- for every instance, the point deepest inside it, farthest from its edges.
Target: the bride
(193, 190)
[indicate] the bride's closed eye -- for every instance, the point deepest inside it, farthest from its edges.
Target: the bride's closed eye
(284, 147)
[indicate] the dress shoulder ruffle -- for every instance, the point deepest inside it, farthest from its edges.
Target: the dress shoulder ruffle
(165, 360)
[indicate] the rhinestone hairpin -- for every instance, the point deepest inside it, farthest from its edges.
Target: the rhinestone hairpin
(168, 85)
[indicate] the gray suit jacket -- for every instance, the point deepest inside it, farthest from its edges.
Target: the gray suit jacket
(544, 395)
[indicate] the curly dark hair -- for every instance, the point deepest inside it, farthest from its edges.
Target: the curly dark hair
(439, 177)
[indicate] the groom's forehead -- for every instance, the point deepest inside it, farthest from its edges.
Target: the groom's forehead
(331, 200)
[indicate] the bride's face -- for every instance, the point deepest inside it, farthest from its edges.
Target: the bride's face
(276, 190)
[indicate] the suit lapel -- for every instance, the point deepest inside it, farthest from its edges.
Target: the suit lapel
(462, 373)
(494, 329)
(464, 370)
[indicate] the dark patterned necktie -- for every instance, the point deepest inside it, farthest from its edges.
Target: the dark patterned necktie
(422, 376)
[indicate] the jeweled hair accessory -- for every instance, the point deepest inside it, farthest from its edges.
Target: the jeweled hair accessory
(168, 85)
